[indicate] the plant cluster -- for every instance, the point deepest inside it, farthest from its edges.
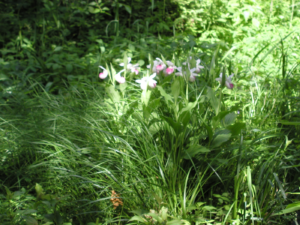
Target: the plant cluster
(205, 132)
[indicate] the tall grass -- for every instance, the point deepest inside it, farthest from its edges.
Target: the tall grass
(189, 152)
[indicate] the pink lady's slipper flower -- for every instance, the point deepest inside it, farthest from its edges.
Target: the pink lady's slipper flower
(120, 79)
(170, 69)
(198, 67)
(103, 74)
(130, 67)
(158, 65)
(147, 81)
(228, 82)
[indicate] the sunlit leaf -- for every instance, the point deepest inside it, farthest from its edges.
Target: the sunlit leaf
(220, 139)
(175, 88)
(164, 94)
(31, 221)
(113, 93)
(229, 118)
(213, 100)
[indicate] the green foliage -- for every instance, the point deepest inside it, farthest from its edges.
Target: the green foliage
(183, 152)
(20, 207)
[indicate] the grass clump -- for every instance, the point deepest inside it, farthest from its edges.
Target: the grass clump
(206, 134)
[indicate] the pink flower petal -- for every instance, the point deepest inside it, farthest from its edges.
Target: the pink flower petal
(103, 75)
(169, 70)
(159, 67)
(229, 85)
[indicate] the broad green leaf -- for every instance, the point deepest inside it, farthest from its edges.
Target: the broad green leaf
(122, 87)
(131, 47)
(199, 204)
(213, 100)
(164, 94)
(295, 206)
(220, 139)
(132, 107)
(113, 93)
(8, 192)
(31, 221)
(175, 125)
(208, 208)
(175, 89)
(91, 9)
(138, 218)
(146, 112)
(189, 107)
(236, 128)
(154, 104)
(229, 119)
(128, 8)
(141, 62)
(194, 150)
(58, 48)
(145, 96)
(184, 118)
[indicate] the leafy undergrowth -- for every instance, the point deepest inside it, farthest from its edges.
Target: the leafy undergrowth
(182, 150)
(172, 143)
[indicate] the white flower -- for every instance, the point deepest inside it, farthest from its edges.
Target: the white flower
(192, 75)
(120, 79)
(198, 67)
(228, 82)
(130, 67)
(179, 73)
(147, 81)
(104, 74)
(158, 65)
